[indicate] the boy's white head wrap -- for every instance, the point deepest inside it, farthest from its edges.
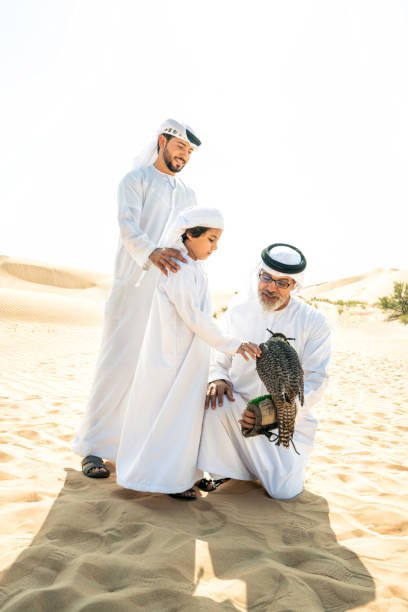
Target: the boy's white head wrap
(195, 216)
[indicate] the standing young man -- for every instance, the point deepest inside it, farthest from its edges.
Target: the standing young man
(149, 197)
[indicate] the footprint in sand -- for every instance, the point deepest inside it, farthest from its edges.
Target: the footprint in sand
(6, 476)
(75, 536)
(128, 541)
(397, 466)
(65, 437)
(24, 496)
(295, 535)
(297, 531)
(5, 457)
(344, 477)
(59, 559)
(29, 434)
(76, 481)
(7, 592)
(329, 568)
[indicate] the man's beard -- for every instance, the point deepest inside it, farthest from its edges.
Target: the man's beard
(169, 163)
(269, 305)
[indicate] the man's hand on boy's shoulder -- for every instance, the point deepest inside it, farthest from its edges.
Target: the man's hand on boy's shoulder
(164, 258)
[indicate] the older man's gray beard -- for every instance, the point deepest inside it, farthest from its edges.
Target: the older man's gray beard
(271, 306)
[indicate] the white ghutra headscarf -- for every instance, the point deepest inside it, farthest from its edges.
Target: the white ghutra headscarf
(281, 259)
(148, 156)
(278, 259)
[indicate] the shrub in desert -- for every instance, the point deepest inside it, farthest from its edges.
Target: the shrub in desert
(397, 303)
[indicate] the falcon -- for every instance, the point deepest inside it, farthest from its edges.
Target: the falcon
(280, 370)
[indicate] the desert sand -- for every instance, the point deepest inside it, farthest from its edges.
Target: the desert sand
(73, 543)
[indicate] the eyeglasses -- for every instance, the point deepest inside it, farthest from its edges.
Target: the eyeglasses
(280, 283)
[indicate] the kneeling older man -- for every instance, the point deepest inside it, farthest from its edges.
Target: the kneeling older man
(267, 304)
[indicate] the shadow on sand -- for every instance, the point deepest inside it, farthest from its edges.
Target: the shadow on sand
(103, 548)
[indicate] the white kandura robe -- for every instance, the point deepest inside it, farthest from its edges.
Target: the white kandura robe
(149, 201)
(224, 451)
(162, 426)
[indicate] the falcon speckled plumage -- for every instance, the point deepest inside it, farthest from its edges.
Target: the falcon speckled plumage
(280, 370)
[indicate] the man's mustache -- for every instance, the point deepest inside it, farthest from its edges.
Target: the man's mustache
(270, 293)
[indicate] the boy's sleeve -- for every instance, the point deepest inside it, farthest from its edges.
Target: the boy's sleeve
(181, 290)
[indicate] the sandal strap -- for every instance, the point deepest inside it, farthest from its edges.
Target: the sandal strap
(219, 481)
(97, 461)
(206, 484)
(183, 495)
(209, 485)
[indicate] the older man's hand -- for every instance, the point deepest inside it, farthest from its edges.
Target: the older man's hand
(248, 419)
(216, 391)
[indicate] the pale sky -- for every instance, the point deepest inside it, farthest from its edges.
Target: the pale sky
(302, 107)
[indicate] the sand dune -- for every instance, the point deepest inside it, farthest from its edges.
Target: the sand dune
(71, 543)
(49, 308)
(40, 292)
(17, 273)
(364, 287)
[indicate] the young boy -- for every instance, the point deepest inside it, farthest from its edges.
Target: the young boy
(156, 453)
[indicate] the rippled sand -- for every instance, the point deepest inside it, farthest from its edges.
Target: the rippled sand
(72, 543)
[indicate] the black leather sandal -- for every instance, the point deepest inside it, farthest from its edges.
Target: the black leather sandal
(90, 462)
(208, 485)
(188, 495)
